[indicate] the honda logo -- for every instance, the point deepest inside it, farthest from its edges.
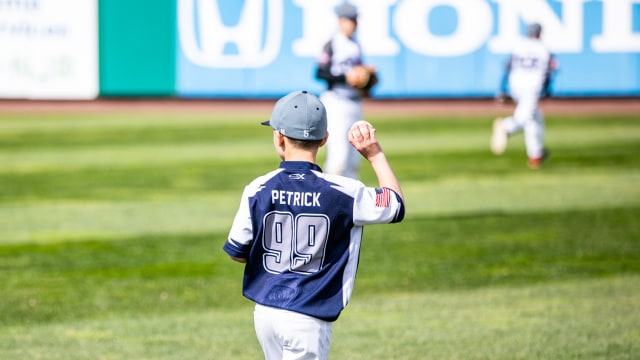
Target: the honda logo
(204, 36)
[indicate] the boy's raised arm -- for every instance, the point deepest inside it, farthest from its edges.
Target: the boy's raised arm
(362, 136)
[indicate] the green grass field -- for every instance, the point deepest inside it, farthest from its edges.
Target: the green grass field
(112, 226)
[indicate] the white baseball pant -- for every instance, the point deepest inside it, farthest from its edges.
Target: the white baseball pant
(342, 113)
(286, 335)
(527, 117)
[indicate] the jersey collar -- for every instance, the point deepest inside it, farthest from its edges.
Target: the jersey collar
(299, 166)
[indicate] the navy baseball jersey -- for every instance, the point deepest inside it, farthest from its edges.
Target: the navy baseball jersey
(300, 231)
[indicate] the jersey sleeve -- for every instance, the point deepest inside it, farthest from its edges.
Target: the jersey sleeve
(377, 206)
(323, 71)
(240, 236)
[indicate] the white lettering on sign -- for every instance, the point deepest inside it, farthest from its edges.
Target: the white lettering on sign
(566, 33)
(473, 28)
(375, 21)
(318, 24)
(387, 26)
(617, 25)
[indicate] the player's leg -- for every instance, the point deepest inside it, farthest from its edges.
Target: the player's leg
(534, 140)
(534, 136)
(339, 121)
(352, 169)
(515, 123)
(337, 151)
(524, 111)
(305, 337)
(504, 128)
(499, 137)
(287, 335)
(263, 320)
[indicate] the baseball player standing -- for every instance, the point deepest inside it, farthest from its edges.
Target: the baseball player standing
(298, 230)
(529, 70)
(348, 80)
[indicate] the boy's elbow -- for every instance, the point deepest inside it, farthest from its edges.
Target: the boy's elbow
(399, 216)
(240, 260)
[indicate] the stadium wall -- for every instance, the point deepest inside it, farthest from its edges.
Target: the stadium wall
(264, 48)
(137, 47)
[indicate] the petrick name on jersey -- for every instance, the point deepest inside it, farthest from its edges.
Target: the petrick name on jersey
(295, 198)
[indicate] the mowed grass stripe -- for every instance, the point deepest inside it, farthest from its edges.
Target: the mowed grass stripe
(65, 221)
(106, 123)
(95, 148)
(131, 155)
(590, 318)
(472, 135)
(159, 210)
(580, 319)
(93, 278)
(537, 193)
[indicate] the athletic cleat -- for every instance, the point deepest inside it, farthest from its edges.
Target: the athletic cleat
(535, 163)
(499, 137)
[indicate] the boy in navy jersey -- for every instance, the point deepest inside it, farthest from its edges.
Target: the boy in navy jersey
(298, 230)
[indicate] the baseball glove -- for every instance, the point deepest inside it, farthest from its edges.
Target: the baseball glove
(361, 76)
(504, 98)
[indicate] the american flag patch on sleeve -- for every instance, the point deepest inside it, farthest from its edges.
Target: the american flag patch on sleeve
(383, 197)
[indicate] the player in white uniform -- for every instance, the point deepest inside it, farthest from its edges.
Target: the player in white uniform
(343, 101)
(299, 231)
(529, 71)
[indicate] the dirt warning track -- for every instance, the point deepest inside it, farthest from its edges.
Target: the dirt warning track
(440, 107)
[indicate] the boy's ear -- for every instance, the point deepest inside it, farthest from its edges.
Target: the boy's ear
(324, 140)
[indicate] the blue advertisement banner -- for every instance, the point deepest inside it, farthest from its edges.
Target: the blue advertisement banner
(421, 48)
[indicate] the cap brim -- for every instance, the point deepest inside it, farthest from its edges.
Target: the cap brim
(266, 123)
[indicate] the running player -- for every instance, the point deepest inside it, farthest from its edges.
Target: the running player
(298, 230)
(529, 71)
(342, 99)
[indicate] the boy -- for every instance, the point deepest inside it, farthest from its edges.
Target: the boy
(298, 230)
(341, 65)
(529, 70)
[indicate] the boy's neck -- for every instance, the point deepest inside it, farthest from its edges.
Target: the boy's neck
(293, 154)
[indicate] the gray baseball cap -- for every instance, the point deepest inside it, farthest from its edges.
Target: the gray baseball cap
(299, 115)
(346, 10)
(534, 29)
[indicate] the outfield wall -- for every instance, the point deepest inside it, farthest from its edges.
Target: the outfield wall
(137, 47)
(264, 48)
